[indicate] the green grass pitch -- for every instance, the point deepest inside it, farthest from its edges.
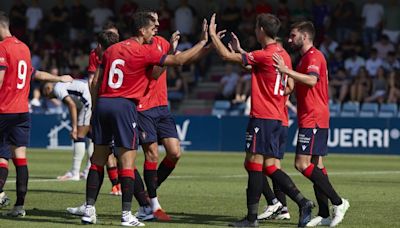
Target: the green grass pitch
(208, 190)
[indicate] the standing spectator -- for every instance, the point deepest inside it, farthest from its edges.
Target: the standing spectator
(58, 19)
(328, 46)
(394, 87)
(128, 8)
(391, 63)
(300, 12)
(373, 63)
(248, 16)
(101, 14)
(18, 19)
(383, 46)
(392, 21)
(262, 6)
(361, 86)
(320, 15)
(230, 17)
(34, 15)
(164, 19)
(228, 84)
(379, 87)
(339, 85)
(283, 15)
(372, 13)
(185, 18)
(78, 17)
(344, 19)
(354, 63)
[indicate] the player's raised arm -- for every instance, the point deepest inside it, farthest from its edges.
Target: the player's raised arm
(308, 79)
(220, 47)
(44, 76)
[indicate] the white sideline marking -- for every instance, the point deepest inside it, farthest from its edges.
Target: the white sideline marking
(241, 176)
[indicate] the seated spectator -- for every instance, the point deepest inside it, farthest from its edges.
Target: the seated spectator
(35, 103)
(328, 46)
(379, 87)
(337, 62)
(391, 63)
(353, 44)
(373, 63)
(354, 63)
(339, 85)
(176, 87)
(383, 46)
(243, 88)
(394, 87)
(361, 86)
(228, 84)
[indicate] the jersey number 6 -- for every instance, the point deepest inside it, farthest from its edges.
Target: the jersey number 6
(115, 71)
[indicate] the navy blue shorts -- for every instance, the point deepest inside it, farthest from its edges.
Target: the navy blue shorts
(155, 124)
(115, 119)
(283, 135)
(262, 137)
(312, 141)
(14, 130)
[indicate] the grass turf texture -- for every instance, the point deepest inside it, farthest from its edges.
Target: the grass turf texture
(208, 190)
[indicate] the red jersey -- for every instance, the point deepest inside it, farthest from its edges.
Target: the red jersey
(157, 91)
(15, 60)
(267, 84)
(126, 71)
(94, 61)
(312, 103)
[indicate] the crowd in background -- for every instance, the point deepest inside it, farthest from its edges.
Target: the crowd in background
(360, 42)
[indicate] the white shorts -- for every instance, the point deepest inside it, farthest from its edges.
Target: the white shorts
(84, 115)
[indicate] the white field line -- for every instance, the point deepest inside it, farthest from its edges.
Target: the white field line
(356, 173)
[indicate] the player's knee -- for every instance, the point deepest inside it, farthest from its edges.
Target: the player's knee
(175, 155)
(300, 165)
(152, 156)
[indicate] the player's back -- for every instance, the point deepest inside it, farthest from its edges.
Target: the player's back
(15, 59)
(126, 69)
(313, 102)
(268, 84)
(77, 89)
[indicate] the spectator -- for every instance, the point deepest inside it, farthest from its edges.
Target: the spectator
(344, 19)
(34, 15)
(361, 86)
(262, 6)
(243, 88)
(320, 15)
(230, 17)
(337, 62)
(373, 63)
(372, 13)
(78, 17)
(175, 84)
(283, 14)
(300, 12)
(392, 21)
(80, 60)
(328, 46)
(228, 84)
(128, 8)
(353, 44)
(100, 15)
(18, 19)
(394, 87)
(248, 16)
(185, 18)
(354, 63)
(339, 85)
(391, 63)
(383, 46)
(379, 87)
(165, 19)
(35, 103)
(58, 19)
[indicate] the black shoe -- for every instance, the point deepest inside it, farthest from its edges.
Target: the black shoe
(244, 223)
(305, 213)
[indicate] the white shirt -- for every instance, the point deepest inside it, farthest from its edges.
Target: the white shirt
(229, 82)
(383, 50)
(78, 90)
(100, 16)
(328, 49)
(184, 20)
(353, 65)
(34, 15)
(373, 14)
(372, 66)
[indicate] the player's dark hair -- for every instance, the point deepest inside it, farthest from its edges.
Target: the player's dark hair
(109, 25)
(4, 19)
(107, 38)
(269, 23)
(141, 20)
(147, 10)
(305, 27)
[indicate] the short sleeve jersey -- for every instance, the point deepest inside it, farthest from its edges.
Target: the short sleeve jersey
(267, 84)
(313, 103)
(15, 60)
(157, 92)
(77, 90)
(94, 61)
(126, 69)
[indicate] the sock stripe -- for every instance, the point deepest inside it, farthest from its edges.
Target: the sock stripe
(168, 163)
(269, 170)
(308, 171)
(112, 173)
(20, 161)
(4, 165)
(148, 165)
(252, 166)
(97, 168)
(126, 173)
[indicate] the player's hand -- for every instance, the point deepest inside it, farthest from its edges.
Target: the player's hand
(235, 43)
(279, 63)
(204, 32)
(213, 26)
(74, 133)
(175, 40)
(220, 34)
(66, 78)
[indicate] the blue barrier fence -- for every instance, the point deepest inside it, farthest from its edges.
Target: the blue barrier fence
(347, 135)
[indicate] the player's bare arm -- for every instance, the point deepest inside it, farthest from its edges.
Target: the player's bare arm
(289, 86)
(44, 76)
(96, 85)
(220, 47)
(74, 116)
(309, 80)
(158, 70)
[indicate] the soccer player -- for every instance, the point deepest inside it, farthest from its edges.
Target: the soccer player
(94, 62)
(76, 96)
(121, 85)
(16, 73)
(311, 78)
(267, 106)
